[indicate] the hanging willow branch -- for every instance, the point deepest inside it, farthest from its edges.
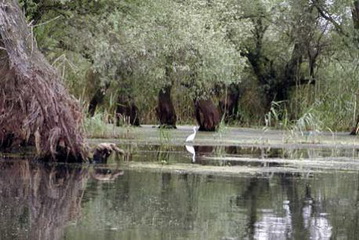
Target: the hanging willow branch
(35, 108)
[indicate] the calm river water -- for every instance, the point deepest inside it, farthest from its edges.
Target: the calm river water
(114, 201)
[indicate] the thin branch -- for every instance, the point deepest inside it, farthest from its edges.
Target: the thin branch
(44, 23)
(324, 13)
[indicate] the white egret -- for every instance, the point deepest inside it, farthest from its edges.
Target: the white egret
(191, 137)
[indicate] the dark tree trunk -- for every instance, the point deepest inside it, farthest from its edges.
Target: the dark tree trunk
(35, 107)
(280, 86)
(356, 128)
(97, 99)
(355, 17)
(228, 105)
(127, 111)
(165, 111)
(276, 82)
(207, 115)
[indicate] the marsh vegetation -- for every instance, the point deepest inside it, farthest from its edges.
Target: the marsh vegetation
(272, 85)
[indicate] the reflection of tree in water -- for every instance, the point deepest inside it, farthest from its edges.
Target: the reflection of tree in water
(314, 220)
(37, 200)
(186, 210)
(255, 188)
(300, 217)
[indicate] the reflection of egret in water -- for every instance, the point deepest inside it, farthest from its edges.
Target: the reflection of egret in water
(191, 150)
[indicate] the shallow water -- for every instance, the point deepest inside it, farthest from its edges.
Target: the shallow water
(163, 191)
(233, 184)
(143, 205)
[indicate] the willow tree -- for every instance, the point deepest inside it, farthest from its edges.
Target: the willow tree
(285, 40)
(143, 49)
(35, 108)
(184, 48)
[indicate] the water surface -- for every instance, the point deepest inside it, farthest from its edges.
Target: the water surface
(165, 190)
(117, 201)
(144, 205)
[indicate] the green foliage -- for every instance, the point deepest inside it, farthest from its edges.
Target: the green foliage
(337, 95)
(138, 47)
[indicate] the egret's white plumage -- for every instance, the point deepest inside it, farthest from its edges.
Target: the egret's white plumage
(191, 137)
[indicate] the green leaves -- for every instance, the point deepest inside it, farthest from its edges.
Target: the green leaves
(133, 40)
(140, 46)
